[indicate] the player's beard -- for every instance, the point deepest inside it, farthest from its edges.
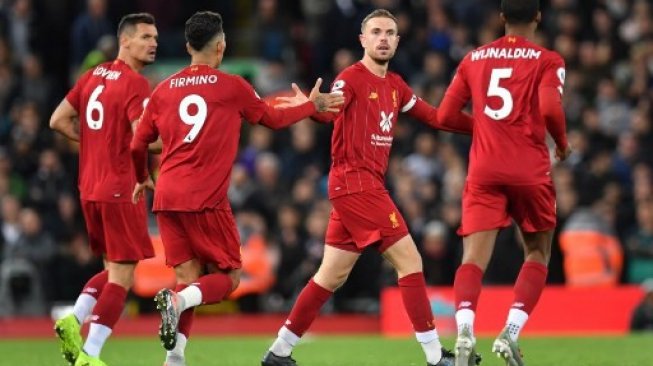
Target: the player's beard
(381, 61)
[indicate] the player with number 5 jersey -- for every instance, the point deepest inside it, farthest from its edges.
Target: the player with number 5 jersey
(197, 112)
(100, 112)
(515, 87)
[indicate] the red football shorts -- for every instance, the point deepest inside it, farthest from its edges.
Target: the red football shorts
(362, 219)
(118, 230)
(209, 236)
(489, 207)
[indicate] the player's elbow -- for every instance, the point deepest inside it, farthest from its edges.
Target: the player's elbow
(445, 116)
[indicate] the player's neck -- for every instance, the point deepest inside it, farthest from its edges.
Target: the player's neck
(133, 63)
(521, 30)
(199, 59)
(374, 67)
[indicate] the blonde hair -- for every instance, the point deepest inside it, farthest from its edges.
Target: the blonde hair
(378, 13)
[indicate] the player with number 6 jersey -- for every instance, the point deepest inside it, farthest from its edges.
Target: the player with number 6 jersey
(197, 112)
(100, 112)
(515, 87)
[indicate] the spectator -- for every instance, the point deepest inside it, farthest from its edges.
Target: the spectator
(88, 28)
(642, 319)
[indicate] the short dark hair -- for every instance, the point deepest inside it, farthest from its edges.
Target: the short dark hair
(202, 27)
(520, 11)
(378, 13)
(130, 20)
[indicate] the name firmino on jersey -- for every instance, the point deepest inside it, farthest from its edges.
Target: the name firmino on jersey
(193, 80)
(506, 53)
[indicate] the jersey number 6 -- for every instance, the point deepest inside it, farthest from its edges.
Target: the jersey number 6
(197, 120)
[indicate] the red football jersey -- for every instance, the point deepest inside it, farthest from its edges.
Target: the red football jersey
(502, 79)
(197, 112)
(108, 98)
(364, 128)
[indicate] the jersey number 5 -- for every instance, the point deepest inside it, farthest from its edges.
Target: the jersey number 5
(494, 90)
(197, 120)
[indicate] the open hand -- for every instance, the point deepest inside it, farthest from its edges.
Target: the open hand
(325, 102)
(298, 99)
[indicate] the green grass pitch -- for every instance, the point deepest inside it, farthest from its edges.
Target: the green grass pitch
(340, 351)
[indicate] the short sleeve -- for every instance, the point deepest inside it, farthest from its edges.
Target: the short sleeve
(74, 95)
(553, 72)
(459, 87)
(252, 107)
(147, 130)
(139, 91)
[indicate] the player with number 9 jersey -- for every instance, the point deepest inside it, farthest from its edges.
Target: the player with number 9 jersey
(197, 112)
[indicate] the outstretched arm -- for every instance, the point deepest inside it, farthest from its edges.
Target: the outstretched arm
(64, 120)
(457, 122)
(298, 107)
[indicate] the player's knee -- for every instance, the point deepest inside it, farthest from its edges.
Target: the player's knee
(235, 280)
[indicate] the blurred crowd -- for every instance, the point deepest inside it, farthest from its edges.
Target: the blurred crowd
(278, 190)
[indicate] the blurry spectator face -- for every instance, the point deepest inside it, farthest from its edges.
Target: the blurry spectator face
(303, 136)
(31, 67)
(30, 222)
(566, 200)
(379, 39)
(260, 138)
(343, 59)
(591, 119)
(566, 46)
(22, 8)
(628, 146)
(239, 176)
(641, 124)
(607, 91)
(568, 23)
(5, 162)
(435, 64)
(267, 9)
(587, 54)
(425, 144)
(267, 169)
(434, 243)
(602, 22)
(563, 177)
(601, 163)
(10, 209)
(49, 161)
(97, 8)
(645, 214)
(303, 191)
(67, 207)
(451, 213)
(288, 217)
(316, 224)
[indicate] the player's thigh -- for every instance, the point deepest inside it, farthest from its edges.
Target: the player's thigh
(94, 226)
(337, 235)
(371, 217)
(404, 257)
(484, 207)
(214, 238)
(335, 268)
(174, 238)
(125, 232)
(533, 207)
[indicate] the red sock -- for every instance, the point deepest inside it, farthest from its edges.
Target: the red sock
(307, 307)
(467, 286)
(186, 318)
(109, 305)
(529, 286)
(95, 285)
(413, 293)
(215, 287)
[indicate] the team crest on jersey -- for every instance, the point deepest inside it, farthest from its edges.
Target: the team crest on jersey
(512, 40)
(386, 121)
(393, 220)
(374, 95)
(394, 98)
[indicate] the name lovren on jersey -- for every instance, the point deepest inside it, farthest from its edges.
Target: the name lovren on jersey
(192, 80)
(506, 53)
(107, 74)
